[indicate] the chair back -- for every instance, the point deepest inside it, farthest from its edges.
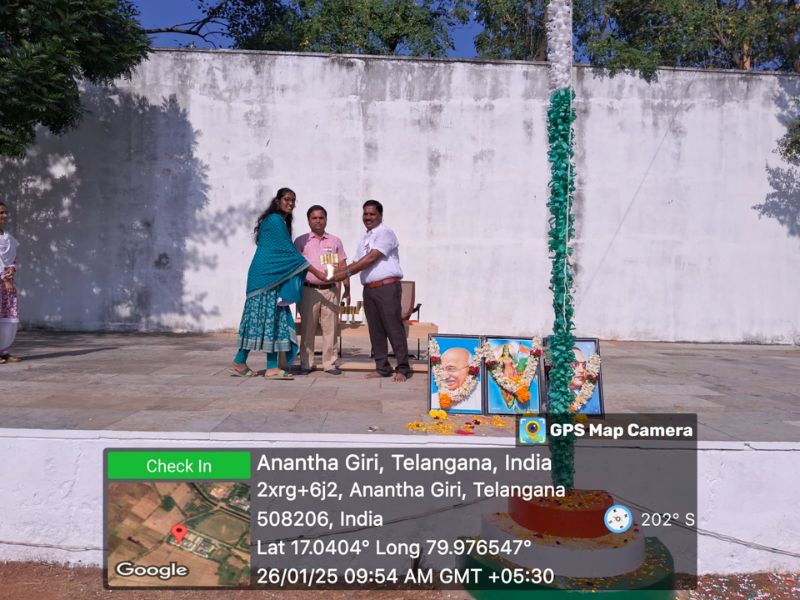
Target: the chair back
(407, 298)
(348, 314)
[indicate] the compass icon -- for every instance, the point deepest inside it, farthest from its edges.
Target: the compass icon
(618, 518)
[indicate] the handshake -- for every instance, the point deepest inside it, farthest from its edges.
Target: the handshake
(334, 270)
(339, 274)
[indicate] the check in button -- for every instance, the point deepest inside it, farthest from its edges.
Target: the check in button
(178, 465)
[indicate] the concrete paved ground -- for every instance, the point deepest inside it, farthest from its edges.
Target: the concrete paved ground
(154, 382)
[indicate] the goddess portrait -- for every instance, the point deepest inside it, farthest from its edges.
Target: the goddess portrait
(512, 375)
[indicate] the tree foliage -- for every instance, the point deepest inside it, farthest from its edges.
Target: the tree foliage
(417, 27)
(642, 35)
(46, 48)
(512, 29)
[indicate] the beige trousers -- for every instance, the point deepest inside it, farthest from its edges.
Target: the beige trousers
(319, 307)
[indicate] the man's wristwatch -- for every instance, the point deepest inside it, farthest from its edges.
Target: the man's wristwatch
(347, 272)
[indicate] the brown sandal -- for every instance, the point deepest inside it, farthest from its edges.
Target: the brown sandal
(7, 358)
(246, 372)
(281, 375)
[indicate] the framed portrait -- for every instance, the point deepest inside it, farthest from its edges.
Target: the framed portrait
(513, 375)
(455, 374)
(587, 383)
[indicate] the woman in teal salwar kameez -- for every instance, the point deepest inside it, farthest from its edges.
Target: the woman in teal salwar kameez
(274, 281)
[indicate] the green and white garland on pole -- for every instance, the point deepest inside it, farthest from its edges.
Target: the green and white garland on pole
(560, 116)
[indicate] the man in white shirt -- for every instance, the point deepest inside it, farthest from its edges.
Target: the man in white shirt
(378, 262)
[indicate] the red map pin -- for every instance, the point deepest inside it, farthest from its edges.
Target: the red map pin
(178, 531)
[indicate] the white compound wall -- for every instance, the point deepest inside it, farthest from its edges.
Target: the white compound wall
(688, 221)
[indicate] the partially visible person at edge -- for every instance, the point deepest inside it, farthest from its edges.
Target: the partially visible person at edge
(9, 314)
(378, 261)
(320, 303)
(274, 281)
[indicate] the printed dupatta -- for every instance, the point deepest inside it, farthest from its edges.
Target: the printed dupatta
(276, 262)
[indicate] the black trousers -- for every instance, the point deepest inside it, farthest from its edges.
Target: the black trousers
(385, 321)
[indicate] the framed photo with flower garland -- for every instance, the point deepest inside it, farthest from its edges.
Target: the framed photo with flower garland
(456, 376)
(587, 383)
(513, 375)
